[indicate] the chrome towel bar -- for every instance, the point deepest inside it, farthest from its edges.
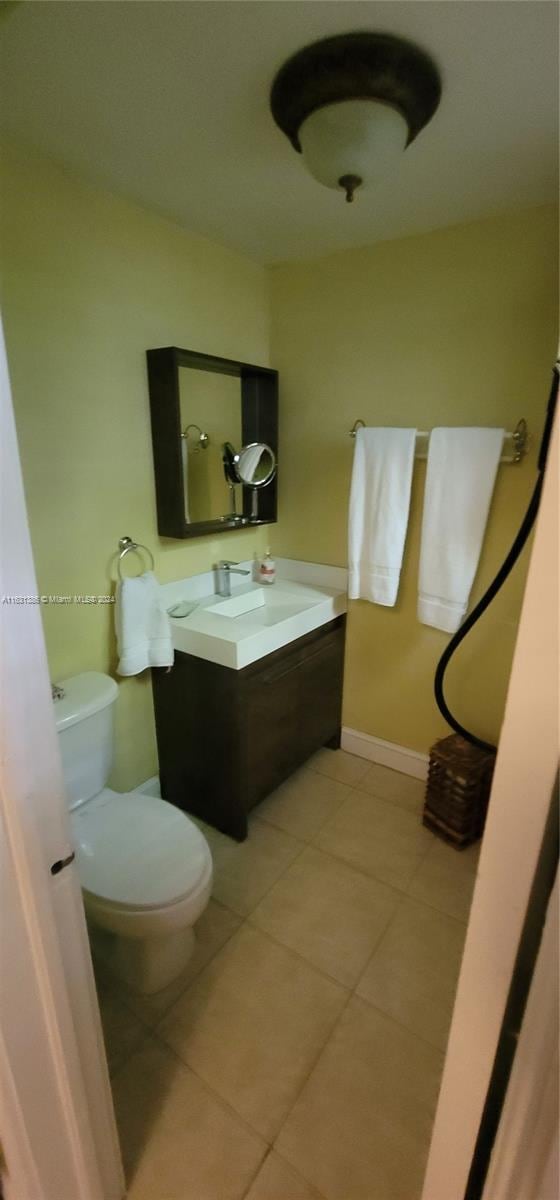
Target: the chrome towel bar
(519, 436)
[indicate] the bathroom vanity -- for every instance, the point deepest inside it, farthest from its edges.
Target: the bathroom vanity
(250, 697)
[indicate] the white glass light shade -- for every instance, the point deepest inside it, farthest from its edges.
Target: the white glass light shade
(364, 138)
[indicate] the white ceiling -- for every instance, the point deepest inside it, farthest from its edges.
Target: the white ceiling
(167, 103)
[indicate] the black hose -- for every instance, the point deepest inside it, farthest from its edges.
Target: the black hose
(504, 571)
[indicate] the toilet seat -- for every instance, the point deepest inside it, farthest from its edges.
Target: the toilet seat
(137, 853)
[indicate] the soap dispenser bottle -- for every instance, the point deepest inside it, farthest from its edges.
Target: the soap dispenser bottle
(267, 573)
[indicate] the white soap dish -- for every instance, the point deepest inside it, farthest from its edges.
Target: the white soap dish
(183, 608)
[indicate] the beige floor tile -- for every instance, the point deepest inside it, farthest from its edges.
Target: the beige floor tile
(179, 1142)
(276, 1180)
(361, 1127)
(446, 880)
(122, 1030)
(338, 764)
(413, 973)
(378, 837)
(212, 931)
(303, 804)
(401, 789)
(244, 871)
(252, 1025)
(470, 856)
(327, 912)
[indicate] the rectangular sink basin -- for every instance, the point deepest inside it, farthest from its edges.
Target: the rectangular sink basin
(236, 606)
(264, 620)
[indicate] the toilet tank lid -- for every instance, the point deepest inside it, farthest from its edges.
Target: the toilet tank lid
(84, 695)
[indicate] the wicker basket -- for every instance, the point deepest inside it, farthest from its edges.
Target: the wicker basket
(459, 782)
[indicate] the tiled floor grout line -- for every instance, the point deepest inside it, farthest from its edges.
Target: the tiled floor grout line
(307, 841)
(275, 942)
(226, 1103)
(360, 871)
(155, 1031)
(290, 950)
(144, 1020)
(352, 989)
(312, 1068)
(296, 1171)
(355, 787)
(325, 774)
(392, 886)
(144, 1037)
(399, 1024)
(153, 1035)
(354, 866)
(384, 933)
(211, 1091)
(257, 1173)
(245, 916)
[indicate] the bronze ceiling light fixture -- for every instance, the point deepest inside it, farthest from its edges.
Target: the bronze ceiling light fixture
(351, 104)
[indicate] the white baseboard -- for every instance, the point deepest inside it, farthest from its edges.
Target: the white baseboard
(150, 787)
(387, 754)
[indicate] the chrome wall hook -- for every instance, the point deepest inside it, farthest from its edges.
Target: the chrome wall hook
(202, 439)
(359, 424)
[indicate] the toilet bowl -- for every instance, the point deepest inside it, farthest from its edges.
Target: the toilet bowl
(144, 867)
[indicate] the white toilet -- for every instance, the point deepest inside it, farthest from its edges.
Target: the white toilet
(145, 868)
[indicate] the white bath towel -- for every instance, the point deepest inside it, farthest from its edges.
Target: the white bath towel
(462, 466)
(142, 626)
(378, 517)
(185, 462)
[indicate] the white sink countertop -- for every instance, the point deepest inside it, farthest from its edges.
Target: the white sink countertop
(283, 612)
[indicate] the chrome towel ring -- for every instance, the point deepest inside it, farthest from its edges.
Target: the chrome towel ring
(126, 544)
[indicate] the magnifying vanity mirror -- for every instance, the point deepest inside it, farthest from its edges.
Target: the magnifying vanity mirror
(255, 466)
(201, 408)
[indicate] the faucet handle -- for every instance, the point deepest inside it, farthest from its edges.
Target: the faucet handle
(228, 562)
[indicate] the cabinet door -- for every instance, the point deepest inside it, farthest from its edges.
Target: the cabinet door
(292, 707)
(320, 693)
(271, 716)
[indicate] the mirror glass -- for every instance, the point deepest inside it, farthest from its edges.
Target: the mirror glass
(210, 415)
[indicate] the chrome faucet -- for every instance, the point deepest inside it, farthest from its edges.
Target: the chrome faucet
(224, 570)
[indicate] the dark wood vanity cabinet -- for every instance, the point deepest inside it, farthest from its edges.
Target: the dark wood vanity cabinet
(227, 738)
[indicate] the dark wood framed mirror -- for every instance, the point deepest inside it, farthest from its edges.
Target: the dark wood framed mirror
(192, 416)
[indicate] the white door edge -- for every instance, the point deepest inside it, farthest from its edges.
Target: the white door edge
(58, 1132)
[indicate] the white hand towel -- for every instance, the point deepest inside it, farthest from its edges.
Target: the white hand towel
(142, 625)
(379, 504)
(462, 466)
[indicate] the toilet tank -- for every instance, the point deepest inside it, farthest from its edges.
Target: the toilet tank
(85, 726)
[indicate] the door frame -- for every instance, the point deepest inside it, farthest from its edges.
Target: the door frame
(525, 1159)
(59, 1138)
(524, 781)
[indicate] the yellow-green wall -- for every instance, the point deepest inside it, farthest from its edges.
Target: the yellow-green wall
(89, 283)
(452, 327)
